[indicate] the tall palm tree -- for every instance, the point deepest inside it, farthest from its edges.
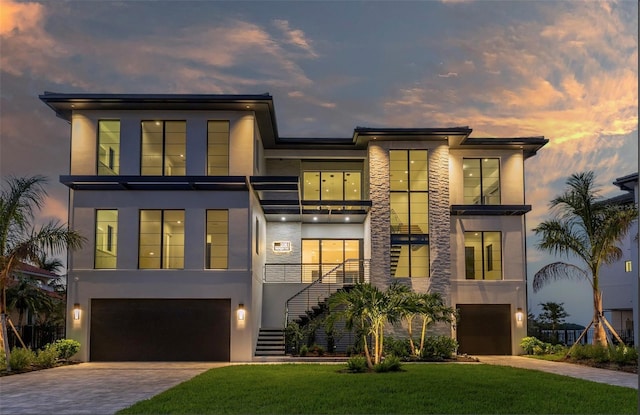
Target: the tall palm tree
(588, 229)
(20, 239)
(47, 263)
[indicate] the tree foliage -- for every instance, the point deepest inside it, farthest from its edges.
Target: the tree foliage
(586, 228)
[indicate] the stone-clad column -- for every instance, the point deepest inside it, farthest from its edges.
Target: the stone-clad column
(380, 215)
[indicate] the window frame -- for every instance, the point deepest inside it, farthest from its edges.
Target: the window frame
(481, 197)
(228, 142)
(412, 241)
(208, 259)
(164, 148)
(109, 239)
(162, 246)
(487, 254)
(99, 164)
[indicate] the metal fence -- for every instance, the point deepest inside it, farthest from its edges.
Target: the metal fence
(35, 336)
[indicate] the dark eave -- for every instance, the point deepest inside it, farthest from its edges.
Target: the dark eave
(362, 135)
(261, 105)
(529, 145)
(155, 182)
(490, 210)
(626, 182)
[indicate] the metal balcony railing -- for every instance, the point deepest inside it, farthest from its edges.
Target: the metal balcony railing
(350, 272)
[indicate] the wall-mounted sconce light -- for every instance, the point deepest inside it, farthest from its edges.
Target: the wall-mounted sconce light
(76, 311)
(241, 312)
(519, 314)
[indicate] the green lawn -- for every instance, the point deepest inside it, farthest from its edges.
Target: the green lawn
(419, 389)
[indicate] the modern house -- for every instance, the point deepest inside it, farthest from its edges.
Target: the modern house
(619, 281)
(210, 231)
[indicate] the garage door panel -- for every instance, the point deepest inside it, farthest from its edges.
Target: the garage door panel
(484, 329)
(160, 329)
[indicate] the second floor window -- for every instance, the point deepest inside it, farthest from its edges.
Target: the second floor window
(218, 148)
(481, 181)
(332, 185)
(108, 147)
(163, 148)
(161, 239)
(106, 239)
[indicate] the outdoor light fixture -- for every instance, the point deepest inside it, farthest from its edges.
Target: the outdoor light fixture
(241, 312)
(76, 311)
(519, 314)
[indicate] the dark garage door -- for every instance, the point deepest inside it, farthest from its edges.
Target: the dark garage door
(484, 329)
(160, 330)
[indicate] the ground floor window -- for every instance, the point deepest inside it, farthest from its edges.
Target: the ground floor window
(320, 256)
(217, 248)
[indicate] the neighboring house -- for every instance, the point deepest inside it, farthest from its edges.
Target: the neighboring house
(206, 227)
(42, 279)
(619, 281)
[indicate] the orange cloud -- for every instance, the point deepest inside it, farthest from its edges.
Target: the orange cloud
(19, 17)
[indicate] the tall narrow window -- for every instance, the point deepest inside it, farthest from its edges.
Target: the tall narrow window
(218, 148)
(409, 200)
(217, 239)
(163, 148)
(161, 239)
(481, 181)
(106, 239)
(108, 147)
(483, 255)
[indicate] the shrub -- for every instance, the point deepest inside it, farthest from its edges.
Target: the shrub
(390, 363)
(529, 345)
(66, 348)
(557, 349)
(3, 360)
(624, 355)
(319, 350)
(357, 364)
(46, 358)
(595, 352)
(304, 350)
(21, 359)
(397, 347)
(439, 348)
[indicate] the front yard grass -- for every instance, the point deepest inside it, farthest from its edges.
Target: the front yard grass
(418, 389)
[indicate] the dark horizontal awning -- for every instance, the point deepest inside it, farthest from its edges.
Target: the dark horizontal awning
(155, 182)
(490, 210)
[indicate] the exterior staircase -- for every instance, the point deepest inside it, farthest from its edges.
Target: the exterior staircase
(270, 342)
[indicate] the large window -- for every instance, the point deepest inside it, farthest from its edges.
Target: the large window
(409, 200)
(106, 238)
(161, 239)
(332, 185)
(481, 181)
(217, 247)
(163, 148)
(108, 147)
(218, 148)
(319, 256)
(483, 255)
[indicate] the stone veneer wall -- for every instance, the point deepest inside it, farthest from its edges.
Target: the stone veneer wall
(439, 222)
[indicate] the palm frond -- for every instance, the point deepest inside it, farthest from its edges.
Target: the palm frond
(558, 271)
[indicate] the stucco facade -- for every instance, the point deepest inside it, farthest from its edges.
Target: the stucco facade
(282, 232)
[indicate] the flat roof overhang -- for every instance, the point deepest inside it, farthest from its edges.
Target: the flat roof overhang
(261, 105)
(489, 210)
(626, 182)
(528, 145)
(155, 182)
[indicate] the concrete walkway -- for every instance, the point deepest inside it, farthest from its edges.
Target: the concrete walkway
(91, 388)
(105, 388)
(611, 377)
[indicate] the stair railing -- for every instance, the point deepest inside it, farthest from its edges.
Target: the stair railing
(350, 272)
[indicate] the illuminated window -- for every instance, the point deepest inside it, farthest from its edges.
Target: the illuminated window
(483, 255)
(320, 256)
(627, 266)
(217, 242)
(332, 185)
(481, 181)
(409, 202)
(161, 239)
(108, 147)
(106, 239)
(163, 148)
(218, 148)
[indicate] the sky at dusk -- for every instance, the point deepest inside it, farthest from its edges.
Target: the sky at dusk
(561, 69)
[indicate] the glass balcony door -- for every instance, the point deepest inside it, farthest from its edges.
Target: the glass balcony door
(320, 256)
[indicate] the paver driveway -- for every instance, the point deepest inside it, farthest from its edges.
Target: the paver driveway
(92, 388)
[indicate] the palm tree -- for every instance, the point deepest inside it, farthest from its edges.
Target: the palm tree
(586, 228)
(20, 240)
(431, 309)
(27, 296)
(47, 263)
